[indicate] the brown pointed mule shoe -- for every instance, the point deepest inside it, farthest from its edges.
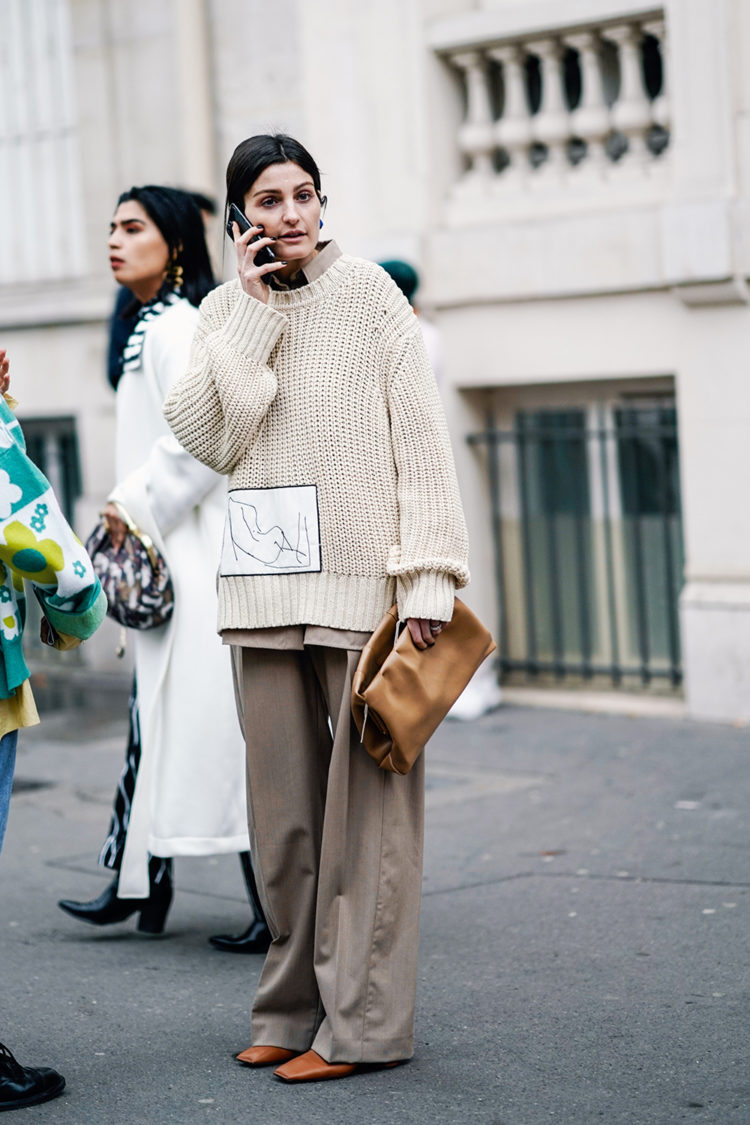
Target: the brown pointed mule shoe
(310, 1067)
(264, 1056)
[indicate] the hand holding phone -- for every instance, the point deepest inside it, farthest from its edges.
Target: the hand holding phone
(265, 255)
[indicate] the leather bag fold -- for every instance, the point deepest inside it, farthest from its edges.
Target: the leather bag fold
(401, 694)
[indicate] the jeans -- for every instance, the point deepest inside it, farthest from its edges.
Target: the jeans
(7, 766)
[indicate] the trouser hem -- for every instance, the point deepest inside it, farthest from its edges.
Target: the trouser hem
(268, 1034)
(357, 1051)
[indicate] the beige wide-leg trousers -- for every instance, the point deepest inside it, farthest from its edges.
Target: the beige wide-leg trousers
(337, 852)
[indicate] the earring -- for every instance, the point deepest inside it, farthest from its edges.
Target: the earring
(174, 274)
(320, 224)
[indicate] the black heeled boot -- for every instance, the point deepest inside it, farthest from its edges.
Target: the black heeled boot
(108, 908)
(257, 937)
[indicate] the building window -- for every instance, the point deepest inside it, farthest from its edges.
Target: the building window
(52, 444)
(588, 542)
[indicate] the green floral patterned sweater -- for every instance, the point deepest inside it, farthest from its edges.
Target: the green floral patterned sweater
(37, 544)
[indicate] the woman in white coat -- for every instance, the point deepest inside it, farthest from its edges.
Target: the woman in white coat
(182, 791)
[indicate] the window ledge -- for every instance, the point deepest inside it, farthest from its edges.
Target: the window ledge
(34, 305)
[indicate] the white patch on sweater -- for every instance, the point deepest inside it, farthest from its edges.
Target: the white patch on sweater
(272, 531)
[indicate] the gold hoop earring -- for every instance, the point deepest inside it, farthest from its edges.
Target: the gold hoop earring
(174, 274)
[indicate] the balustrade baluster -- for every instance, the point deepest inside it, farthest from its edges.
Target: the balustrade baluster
(660, 106)
(631, 113)
(476, 136)
(590, 119)
(513, 130)
(623, 116)
(551, 125)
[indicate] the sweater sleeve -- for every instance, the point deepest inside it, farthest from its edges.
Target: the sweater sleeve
(38, 545)
(163, 491)
(431, 560)
(216, 410)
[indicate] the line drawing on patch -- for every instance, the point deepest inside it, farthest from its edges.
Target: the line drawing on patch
(272, 531)
(272, 547)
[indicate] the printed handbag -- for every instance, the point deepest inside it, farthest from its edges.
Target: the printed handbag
(401, 694)
(134, 576)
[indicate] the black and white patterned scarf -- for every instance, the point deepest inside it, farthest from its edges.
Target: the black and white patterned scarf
(132, 353)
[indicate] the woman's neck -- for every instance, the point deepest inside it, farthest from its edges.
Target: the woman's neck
(290, 271)
(146, 291)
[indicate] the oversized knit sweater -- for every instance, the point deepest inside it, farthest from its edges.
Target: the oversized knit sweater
(38, 546)
(327, 388)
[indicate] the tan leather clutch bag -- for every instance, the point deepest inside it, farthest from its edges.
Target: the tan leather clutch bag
(401, 694)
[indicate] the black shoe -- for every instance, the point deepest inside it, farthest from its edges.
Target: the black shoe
(108, 908)
(256, 939)
(26, 1085)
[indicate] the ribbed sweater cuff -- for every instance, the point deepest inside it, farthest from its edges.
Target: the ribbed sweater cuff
(80, 625)
(426, 593)
(253, 328)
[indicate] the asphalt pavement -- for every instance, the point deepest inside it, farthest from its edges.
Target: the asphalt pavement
(585, 944)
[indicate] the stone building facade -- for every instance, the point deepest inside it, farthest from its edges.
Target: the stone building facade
(571, 178)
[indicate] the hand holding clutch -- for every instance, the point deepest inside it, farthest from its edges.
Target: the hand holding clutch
(400, 694)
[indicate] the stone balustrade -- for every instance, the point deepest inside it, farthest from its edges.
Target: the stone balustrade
(571, 105)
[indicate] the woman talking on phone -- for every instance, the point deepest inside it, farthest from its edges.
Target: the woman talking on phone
(181, 790)
(309, 387)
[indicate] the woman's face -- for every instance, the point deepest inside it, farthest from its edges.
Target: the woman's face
(284, 202)
(138, 252)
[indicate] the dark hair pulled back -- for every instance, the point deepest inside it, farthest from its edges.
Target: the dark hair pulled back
(180, 222)
(253, 156)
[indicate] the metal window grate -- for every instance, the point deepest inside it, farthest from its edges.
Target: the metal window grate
(588, 547)
(52, 444)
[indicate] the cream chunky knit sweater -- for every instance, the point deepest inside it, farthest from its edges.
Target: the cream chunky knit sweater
(326, 387)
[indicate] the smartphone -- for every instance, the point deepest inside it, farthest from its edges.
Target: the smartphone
(265, 255)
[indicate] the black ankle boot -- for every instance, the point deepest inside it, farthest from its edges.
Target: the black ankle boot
(257, 937)
(108, 908)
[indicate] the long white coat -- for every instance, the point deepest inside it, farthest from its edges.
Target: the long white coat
(190, 792)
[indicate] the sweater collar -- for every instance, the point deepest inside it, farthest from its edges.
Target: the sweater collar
(317, 289)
